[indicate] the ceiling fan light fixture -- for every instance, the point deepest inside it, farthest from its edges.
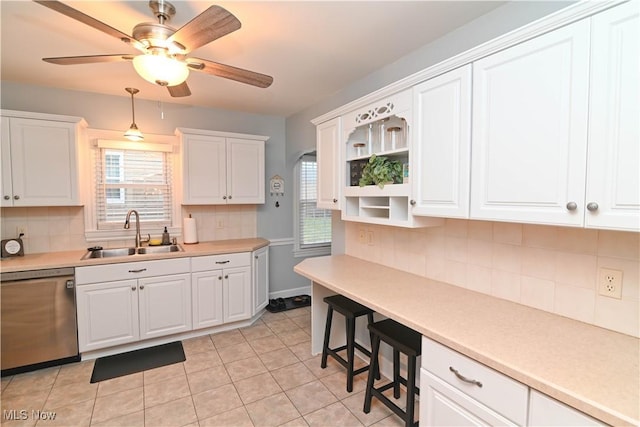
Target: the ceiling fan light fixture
(133, 133)
(161, 70)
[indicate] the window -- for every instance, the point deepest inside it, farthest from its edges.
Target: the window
(130, 178)
(313, 225)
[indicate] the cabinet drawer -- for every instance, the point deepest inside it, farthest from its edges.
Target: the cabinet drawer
(214, 262)
(498, 392)
(130, 270)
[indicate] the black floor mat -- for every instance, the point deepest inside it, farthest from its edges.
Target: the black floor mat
(283, 304)
(131, 362)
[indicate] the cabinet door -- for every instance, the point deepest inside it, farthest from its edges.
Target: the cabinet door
(237, 293)
(165, 305)
(442, 145)
(5, 159)
(529, 130)
(245, 171)
(205, 170)
(613, 171)
(329, 164)
(260, 279)
(443, 405)
(207, 302)
(545, 411)
(43, 158)
(107, 314)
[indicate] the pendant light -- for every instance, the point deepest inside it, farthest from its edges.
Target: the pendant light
(133, 134)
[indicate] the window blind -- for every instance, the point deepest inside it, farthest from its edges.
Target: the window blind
(132, 179)
(314, 224)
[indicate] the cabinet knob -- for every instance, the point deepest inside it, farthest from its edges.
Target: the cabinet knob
(226, 276)
(255, 256)
(572, 206)
(141, 287)
(229, 197)
(224, 197)
(335, 200)
(133, 288)
(592, 206)
(16, 197)
(7, 197)
(412, 202)
(219, 277)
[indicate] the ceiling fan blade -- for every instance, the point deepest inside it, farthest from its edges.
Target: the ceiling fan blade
(210, 25)
(180, 90)
(229, 72)
(88, 20)
(90, 59)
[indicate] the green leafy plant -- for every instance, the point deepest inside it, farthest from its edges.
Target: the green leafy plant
(380, 171)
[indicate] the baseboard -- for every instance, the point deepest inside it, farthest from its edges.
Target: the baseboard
(304, 290)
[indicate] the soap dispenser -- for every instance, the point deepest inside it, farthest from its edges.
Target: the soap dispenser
(165, 237)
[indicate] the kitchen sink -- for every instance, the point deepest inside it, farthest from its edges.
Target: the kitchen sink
(159, 249)
(124, 252)
(108, 253)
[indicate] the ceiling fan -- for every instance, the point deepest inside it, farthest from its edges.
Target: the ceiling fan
(164, 59)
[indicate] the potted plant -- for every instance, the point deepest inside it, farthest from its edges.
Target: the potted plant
(380, 171)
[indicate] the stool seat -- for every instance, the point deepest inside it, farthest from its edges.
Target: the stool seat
(401, 339)
(350, 310)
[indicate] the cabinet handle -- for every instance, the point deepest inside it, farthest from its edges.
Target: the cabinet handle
(592, 206)
(7, 197)
(138, 271)
(412, 202)
(224, 197)
(141, 287)
(16, 197)
(335, 200)
(133, 288)
(463, 378)
(572, 206)
(222, 262)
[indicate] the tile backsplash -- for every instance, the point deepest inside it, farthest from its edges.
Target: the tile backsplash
(550, 268)
(52, 229)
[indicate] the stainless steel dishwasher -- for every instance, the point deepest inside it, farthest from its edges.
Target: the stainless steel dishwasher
(38, 314)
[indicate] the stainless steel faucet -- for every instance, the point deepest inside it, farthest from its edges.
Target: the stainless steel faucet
(139, 239)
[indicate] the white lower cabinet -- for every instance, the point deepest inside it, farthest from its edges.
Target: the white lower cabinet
(545, 411)
(127, 302)
(260, 279)
(461, 391)
(222, 289)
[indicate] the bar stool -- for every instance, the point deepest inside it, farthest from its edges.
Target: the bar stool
(350, 310)
(401, 339)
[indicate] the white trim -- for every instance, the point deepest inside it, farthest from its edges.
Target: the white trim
(180, 131)
(543, 25)
(43, 116)
(281, 242)
(136, 146)
(309, 252)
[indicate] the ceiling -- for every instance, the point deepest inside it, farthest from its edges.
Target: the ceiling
(312, 49)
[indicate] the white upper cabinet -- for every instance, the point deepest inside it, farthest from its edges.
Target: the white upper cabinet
(613, 167)
(222, 168)
(442, 145)
(39, 159)
(530, 105)
(329, 164)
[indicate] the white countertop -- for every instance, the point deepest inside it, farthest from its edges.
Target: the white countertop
(592, 369)
(72, 258)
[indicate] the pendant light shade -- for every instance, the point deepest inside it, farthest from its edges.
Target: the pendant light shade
(161, 70)
(133, 134)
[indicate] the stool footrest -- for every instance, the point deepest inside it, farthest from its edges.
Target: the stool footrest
(377, 392)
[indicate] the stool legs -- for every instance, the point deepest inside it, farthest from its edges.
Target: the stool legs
(396, 373)
(373, 369)
(411, 390)
(327, 334)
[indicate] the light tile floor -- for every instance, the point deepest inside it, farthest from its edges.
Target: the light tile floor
(262, 375)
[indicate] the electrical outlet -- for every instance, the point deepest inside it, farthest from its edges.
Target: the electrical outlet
(362, 236)
(370, 238)
(21, 229)
(610, 283)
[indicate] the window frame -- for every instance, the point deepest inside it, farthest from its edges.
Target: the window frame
(298, 249)
(88, 170)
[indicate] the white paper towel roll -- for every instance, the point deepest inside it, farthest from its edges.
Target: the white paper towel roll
(189, 231)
